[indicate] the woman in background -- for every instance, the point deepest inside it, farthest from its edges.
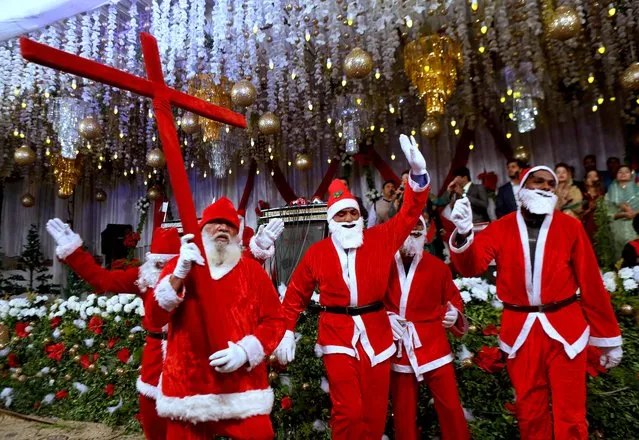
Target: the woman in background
(623, 204)
(593, 192)
(569, 197)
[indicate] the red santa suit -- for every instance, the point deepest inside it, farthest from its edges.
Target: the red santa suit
(545, 349)
(356, 348)
(421, 297)
(190, 389)
(164, 246)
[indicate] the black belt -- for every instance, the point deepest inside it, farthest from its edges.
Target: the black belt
(542, 308)
(349, 310)
(157, 335)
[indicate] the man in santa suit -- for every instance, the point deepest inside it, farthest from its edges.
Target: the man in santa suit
(543, 257)
(351, 270)
(422, 302)
(190, 387)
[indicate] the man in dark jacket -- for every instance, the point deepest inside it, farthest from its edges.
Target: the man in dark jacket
(506, 201)
(462, 186)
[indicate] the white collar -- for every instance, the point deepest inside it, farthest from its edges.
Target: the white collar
(467, 186)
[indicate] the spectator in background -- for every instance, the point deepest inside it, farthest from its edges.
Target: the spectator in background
(399, 196)
(609, 176)
(630, 253)
(380, 211)
(462, 186)
(362, 210)
(593, 192)
(623, 204)
(506, 202)
(577, 183)
(569, 197)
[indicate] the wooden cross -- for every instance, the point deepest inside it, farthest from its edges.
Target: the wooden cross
(163, 97)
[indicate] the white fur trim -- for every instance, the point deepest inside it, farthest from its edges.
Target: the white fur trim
(166, 297)
(63, 251)
(164, 347)
(334, 349)
(160, 258)
(145, 389)
(258, 252)
(406, 280)
(453, 238)
(339, 205)
(535, 169)
(425, 368)
(533, 280)
(415, 186)
(214, 407)
(254, 349)
(605, 342)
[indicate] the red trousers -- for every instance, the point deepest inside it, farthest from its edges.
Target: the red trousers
(443, 387)
(252, 428)
(153, 425)
(359, 394)
(542, 370)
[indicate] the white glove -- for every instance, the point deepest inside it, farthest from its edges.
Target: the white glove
(462, 216)
(229, 359)
(62, 233)
(414, 157)
(285, 351)
(611, 356)
(189, 254)
(397, 325)
(450, 318)
(268, 234)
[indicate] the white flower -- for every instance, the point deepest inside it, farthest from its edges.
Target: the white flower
(125, 298)
(635, 271)
(117, 308)
(479, 293)
(82, 388)
(609, 275)
(48, 399)
(324, 385)
(89, 342)
(117, 318)
(136, 329)
(497, 304)
(113, 409)
(610, 284)
(468, 415)
(104, 314)
(4, 352)
(465, 296)
(320, 426)
(90, 311)
(630, 284)
(45, 370)
(51, 382)
(102, 301)
(79, 323)
(56, 333)
(626, 273)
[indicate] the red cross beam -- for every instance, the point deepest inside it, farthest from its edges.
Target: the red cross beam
(212, 303)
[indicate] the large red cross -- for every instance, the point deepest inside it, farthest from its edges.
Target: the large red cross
(163, 97)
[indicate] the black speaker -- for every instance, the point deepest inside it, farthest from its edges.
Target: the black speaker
(113, 243)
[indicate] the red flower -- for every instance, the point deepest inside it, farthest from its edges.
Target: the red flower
(511, 407)
(491, 330)
(95, 325)
(131, 239)
(62, 394)
(138, 417)
(287, 403)
(55, 322)
(489, 359)
(593, 365)
(55, 351)
(124, 354)
(36, 405)
(112, 342)
(88, 359)
(109, 389)
(21, 329)
(13, 361)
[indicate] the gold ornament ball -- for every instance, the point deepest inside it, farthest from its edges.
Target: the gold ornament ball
(131, 337)
(22, 378)
(54, 370)
(630, 77)
(105, 372)
(303, 161)
(272, 359)
(67, 377)
(14, 376)
(18, 370)
(306, 386)
(76, 358)
(39, 374)
(155, 158)
(472, 328)
(46, 341)
(65, 193)
(102, 345)
(565, 23)
(269, 123)
(89, 128)
(119, 371)
(92, 368)
(626, 310)
(467, 363)
(100, 195)
(76, 346)
(190, 123)
(24, 156)
(358, 64)
(27, 200)
(430, 127)
(154, 193)
(272, 376)
(72, 351)
(243, 93)
(521, 153)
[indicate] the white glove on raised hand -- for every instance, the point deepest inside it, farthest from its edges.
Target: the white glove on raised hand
(229, 359)
(62, 233)
(611, 356)
(189, 254)
(462, 216)
(285, 351)
(269, 233)
(414, 157)
(397, 325)
(450, 318)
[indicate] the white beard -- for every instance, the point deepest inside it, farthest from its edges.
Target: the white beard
(347, 238)
(148, 275)
(414, 245)
(537, 201)
(222, 257)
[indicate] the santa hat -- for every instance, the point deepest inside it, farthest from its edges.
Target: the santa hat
(247, 234)
(221, 209)
(529, 171)
(165, 244)
(339, 197)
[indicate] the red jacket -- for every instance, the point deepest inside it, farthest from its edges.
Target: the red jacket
(564, 262)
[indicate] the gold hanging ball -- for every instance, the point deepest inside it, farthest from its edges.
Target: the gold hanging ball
(54, 370)
(630, 77)
(467, 363)
(272, 376)
(190, 123)
(119, 371)
(92, 368)
(76, 358)
(89, 128)
(24, 156)
(269, 123)
(155, 158)
(272, 359)
(306, 386)
(18, 370)
(521, 153)
(430, 127)
(67, 377)
(100, 195)
(131, 337)
(27, 200)
(303, 161)
(472, 328)
(564, 24)
(154, 193)
(358, 63)
(22, 378)
(626, 310)
(243, 93)
(73, 350)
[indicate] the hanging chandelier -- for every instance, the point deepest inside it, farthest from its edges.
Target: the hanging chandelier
(205, 87)
(351, 118)
(526, 92)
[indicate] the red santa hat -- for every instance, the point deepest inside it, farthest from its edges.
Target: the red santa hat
(165, 244)
(222, 209)
(529, 172)
(339, 197)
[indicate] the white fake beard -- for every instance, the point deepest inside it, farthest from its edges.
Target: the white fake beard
(347, 238)
(414, 245)
(537, 201)
(219, 253)
(148, 275)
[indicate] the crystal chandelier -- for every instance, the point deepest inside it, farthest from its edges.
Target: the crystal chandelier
(523, 86)
(351, 117)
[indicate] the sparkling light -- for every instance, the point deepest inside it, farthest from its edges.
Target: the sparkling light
(484, 29)
(393, 156)
(329, 63)
(594, 108)
(471, 147)
(509, 135)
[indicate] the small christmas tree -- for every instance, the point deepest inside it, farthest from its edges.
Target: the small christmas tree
(604, 243)
(33, 262)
